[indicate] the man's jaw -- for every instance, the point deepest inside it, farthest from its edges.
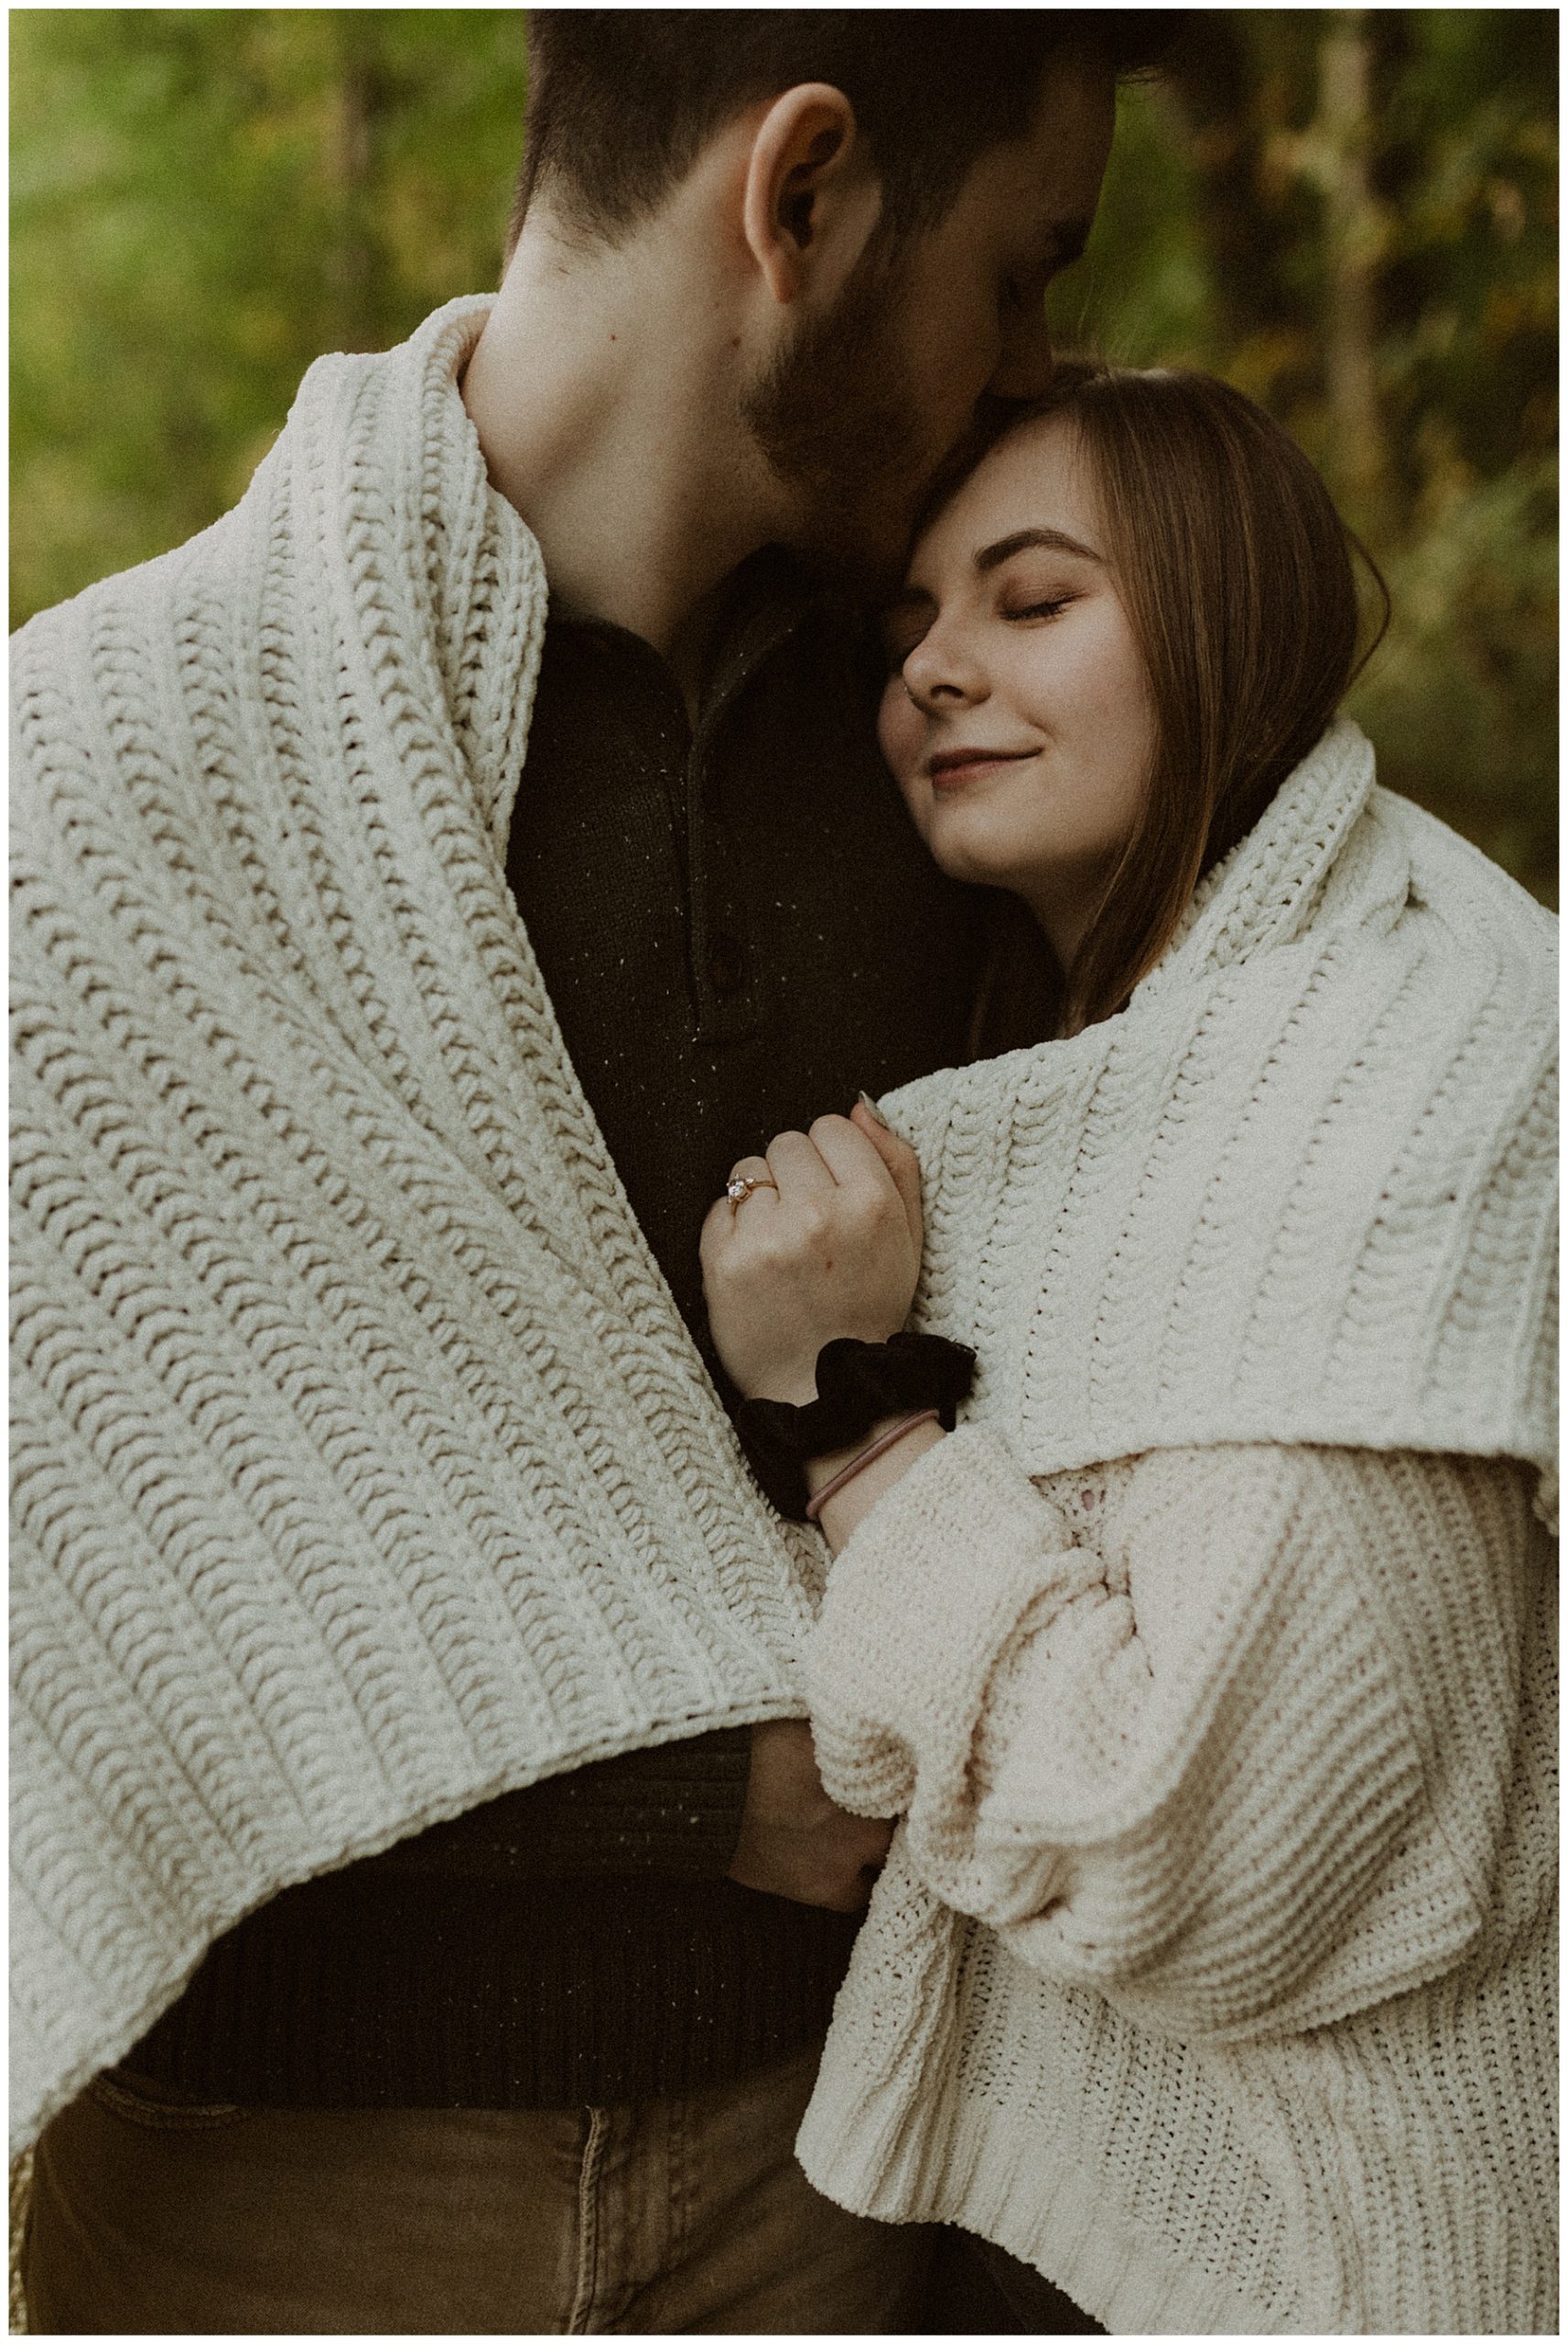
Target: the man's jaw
(862, 542)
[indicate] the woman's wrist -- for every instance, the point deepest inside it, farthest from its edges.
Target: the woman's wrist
(860, 1390)
(843, 1513)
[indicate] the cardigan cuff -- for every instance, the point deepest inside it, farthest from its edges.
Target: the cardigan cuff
(921, 1605)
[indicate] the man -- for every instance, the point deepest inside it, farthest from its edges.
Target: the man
(398, 1629)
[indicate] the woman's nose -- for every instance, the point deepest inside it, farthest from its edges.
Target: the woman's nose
(940, 673)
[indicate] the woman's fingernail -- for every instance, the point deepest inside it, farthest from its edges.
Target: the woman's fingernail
(872, 1108)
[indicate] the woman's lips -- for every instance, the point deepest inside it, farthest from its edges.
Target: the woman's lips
(954, 768)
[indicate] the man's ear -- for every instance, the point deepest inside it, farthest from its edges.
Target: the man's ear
(811, 197)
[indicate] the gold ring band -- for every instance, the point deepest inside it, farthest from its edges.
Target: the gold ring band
(741, 1186)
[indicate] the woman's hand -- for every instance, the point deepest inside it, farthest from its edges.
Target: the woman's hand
(831, 1248)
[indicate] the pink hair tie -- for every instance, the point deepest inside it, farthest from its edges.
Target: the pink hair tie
(857, 1464)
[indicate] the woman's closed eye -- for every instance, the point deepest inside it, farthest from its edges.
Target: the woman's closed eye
(1047, 608)
(905, 633)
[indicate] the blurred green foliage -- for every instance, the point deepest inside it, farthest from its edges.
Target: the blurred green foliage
(1350, 214)
(202, 201)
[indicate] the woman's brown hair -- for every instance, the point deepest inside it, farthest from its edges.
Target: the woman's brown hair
(1235, 572)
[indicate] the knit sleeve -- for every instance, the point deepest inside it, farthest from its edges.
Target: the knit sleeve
(1198, 1769)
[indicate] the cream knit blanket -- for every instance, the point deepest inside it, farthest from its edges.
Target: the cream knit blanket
(1304, 1188)
(363, 1468)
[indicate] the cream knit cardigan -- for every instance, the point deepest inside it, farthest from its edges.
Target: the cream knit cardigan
(1213, 1969)
(363, 1466)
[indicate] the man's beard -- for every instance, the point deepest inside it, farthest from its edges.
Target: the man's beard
(834, 418)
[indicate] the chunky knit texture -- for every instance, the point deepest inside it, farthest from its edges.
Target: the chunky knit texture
(1214, 1969)
(363, 1468)
(1303, 1189)
(1243, 1759)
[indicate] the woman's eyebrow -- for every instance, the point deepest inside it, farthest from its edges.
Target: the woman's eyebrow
(992, 557)
(1054, 540)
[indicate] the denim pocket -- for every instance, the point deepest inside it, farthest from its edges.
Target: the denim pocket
(164, 2107)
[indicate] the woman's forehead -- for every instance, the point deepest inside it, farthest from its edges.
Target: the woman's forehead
(1037, 481)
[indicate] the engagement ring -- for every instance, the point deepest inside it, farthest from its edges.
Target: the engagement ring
(741, 1188)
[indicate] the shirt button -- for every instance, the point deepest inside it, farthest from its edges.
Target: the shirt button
(726, 965)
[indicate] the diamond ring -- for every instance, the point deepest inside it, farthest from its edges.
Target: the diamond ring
(741, 1186)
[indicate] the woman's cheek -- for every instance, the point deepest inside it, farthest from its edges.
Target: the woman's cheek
(899, 728)
(901, 735)
(918, 801)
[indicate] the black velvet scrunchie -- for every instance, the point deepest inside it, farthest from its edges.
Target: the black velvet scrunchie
(857, 1384)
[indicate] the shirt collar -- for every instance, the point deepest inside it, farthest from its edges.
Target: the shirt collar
(765, 601)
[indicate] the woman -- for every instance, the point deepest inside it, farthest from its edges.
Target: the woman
(1211, 1661)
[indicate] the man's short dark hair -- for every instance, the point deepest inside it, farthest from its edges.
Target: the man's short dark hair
(623, 101)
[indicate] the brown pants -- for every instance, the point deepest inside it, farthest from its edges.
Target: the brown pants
(686, 2217)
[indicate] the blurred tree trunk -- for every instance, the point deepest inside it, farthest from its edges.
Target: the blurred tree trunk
(1353, 234)
(1215, 79)
(351, 263)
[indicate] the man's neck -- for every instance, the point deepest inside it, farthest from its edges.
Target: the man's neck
(612, 437)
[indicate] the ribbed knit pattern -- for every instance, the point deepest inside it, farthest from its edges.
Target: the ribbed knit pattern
(1303, 1187)
(363, 1468)
(1214, 1969)
(1242, 1759)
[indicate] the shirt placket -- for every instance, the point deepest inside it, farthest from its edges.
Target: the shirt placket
(725, 981)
